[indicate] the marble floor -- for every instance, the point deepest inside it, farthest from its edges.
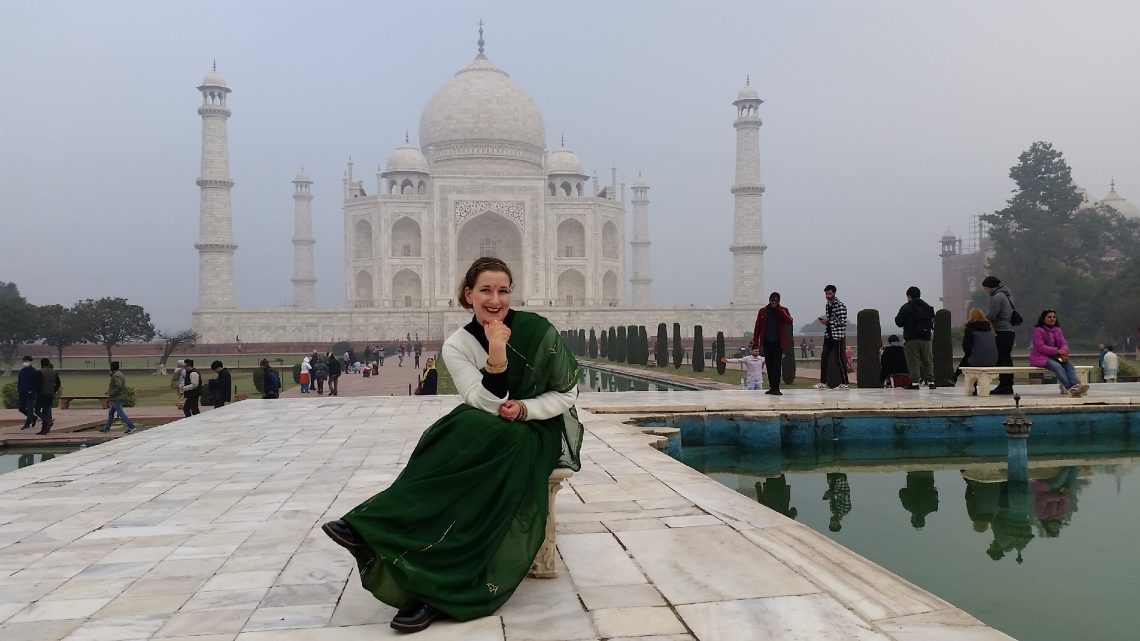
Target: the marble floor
(207, 529)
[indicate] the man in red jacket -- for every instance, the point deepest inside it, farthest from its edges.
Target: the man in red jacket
(771, 323)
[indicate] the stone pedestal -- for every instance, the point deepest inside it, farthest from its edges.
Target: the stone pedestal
(545, 564)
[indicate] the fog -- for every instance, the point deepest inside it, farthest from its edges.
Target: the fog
(885, 124)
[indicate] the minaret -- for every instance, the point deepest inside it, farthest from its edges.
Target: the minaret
(747, 226)
(215, 221)
(640, 243)
(304, 282)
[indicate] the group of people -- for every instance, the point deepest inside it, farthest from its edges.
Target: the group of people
(316, 370)
(37, 390)
(187, 380)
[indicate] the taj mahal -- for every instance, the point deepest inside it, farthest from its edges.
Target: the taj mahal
(481, 183)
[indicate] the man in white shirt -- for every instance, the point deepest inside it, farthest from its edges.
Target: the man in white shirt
(1111, 365)
(753, 368)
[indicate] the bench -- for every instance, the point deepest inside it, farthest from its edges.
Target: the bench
(65, 401)
(984, 376)
(545, 565)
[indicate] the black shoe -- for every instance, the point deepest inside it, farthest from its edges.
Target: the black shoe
(343, 535)
(415, 617)
(26, 427)
(912, 386)
(931, 385)
(1001, 391)
(774, 392)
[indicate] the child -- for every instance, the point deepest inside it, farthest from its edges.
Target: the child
(1111, 364)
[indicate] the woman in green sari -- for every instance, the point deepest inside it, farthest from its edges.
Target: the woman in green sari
(457, 531)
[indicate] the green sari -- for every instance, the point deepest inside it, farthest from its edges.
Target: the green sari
(460, 526)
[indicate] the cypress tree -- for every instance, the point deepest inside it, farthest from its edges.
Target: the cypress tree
(661, 349)
(581, 342)
(698, 349)
(613, 344)
(593, 344)
(942, 347)
(642, 345)
(631, 355)
(622, 345)
(869, 337)
(602, 347)
(719, 354)
(678, 348)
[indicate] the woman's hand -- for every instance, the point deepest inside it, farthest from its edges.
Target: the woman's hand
(1062, 352)
(510, 409)
(497, 332)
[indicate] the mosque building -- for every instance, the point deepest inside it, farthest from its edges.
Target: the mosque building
(481, 183)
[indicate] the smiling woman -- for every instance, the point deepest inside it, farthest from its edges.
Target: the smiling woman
(477, 480)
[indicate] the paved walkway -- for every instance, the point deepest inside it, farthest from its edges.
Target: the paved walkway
(207, 529)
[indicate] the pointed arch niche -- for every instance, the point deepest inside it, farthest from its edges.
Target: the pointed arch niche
(571, 288)
(406, 239)
(611, 242)
(491, 234)
(407, 289)
(571, 239)
(610, 288)
(364, 294)
(362, 239)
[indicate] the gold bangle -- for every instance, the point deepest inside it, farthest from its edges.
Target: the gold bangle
(495, 369)
(522, 412)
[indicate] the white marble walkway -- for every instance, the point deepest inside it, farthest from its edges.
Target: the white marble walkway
(207, 529)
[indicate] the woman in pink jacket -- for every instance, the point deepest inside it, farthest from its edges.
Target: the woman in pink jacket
(1051, 351)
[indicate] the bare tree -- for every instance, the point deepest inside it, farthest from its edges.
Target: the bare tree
(172, 341)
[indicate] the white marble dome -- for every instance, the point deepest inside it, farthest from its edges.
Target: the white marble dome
(563, 161)
(302, 177)
(479, 107)
(1120, 204)
(214, 79)
(748, 93)
(407, 158)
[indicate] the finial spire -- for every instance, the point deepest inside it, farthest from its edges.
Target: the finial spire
(481, 42)
(747, 80)
(406, 140)
(215, 67)
(1112, 184)
(563, 139)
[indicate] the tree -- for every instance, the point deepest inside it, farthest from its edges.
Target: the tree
(581, 342)
(869, 340)
(698, 349)
(631, 344)
(613, 344)
(642, 345)
(593, 349)
(718, 353)
(17, 323)
(603, 347)
(621, 346)
(59, 327)
(172, 341)
(661, 348)
(678, 348)
(112, 322)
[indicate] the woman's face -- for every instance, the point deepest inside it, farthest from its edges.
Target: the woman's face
(491, 296)
(1050, 319)
(429, 362)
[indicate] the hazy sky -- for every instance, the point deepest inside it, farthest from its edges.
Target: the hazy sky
(885, 123)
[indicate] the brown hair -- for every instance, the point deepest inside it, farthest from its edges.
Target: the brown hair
(976, 314)
(484, 264)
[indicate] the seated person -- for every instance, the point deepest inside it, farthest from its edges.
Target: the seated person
(892, 362)
(979, 343)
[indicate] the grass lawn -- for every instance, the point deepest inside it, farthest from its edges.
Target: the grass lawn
(150, 389)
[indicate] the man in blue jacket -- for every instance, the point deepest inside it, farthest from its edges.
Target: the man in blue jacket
(916, 318)
(28, 387)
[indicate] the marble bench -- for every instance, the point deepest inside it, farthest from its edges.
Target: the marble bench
(545, 565)
(65, 401)
(984, 376)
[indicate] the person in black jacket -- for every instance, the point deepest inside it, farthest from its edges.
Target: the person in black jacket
(429, 379)
(916, 318)
(979, 343)
(334, 373)
(221, 385)
(892, 361)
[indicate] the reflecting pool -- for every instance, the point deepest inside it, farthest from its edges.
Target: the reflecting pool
(596, 380)
(15, 458)
(1052, 559)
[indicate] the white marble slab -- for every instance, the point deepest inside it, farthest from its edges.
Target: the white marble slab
(813, 617)
(631, 621)
(597, 559)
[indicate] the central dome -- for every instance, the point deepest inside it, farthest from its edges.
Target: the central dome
(481, 113)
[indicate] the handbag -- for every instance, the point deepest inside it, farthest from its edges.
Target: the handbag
(1015, 318)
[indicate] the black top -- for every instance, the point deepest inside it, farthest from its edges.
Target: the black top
(496, 384)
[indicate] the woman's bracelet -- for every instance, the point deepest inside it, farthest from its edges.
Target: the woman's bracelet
(495, 369)
(522, 411)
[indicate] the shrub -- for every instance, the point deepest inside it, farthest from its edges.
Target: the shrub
(621, 345)
(788, 367)
(131, 397)
(297, 373)
(593, 348)
(259, 380)
(678, 348)
(602, 346)
(11, 394)
(631, 344)
(339, 348)
(642, 345)
(661, 348)
(582, 341)
(942, 347)
(698, 349)
(718, 352)
(870, 339)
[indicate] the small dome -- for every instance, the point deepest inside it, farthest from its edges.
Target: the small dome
(214, 79)
(640, 182)
(748, 93)
(302, 177)
(563, 161)
(1120, 204)
(407, 158)
(949, 235)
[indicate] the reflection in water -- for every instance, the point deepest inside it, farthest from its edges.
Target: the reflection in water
(596, 380)
(12, 459)
(776, 494)
(919, 497)
(838, 497)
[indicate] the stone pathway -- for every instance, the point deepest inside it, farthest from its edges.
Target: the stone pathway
(208, 529)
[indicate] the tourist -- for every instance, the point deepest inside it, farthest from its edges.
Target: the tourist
(49, 386)
(429, 379)
(1001, 315)
(334, 374)
(191, 389)
(347, 362)
(117, 393)
(380, 356)
(772, 322)
(306, 374)
(320, 374)
(834, 321)
(368, 354)
(979, 343)
(400, 354)
(1111, 364)
(1100, 361)
(221, 385)
(1051, 351)
(811, 348)
(893, 370)
(916, 318)
(176, 382)
(753, 370)
(270, 381)
(28, 388)
(480, 472)
(803, 348)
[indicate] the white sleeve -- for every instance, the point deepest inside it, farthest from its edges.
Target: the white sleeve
(550, 404)
(468, 379)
